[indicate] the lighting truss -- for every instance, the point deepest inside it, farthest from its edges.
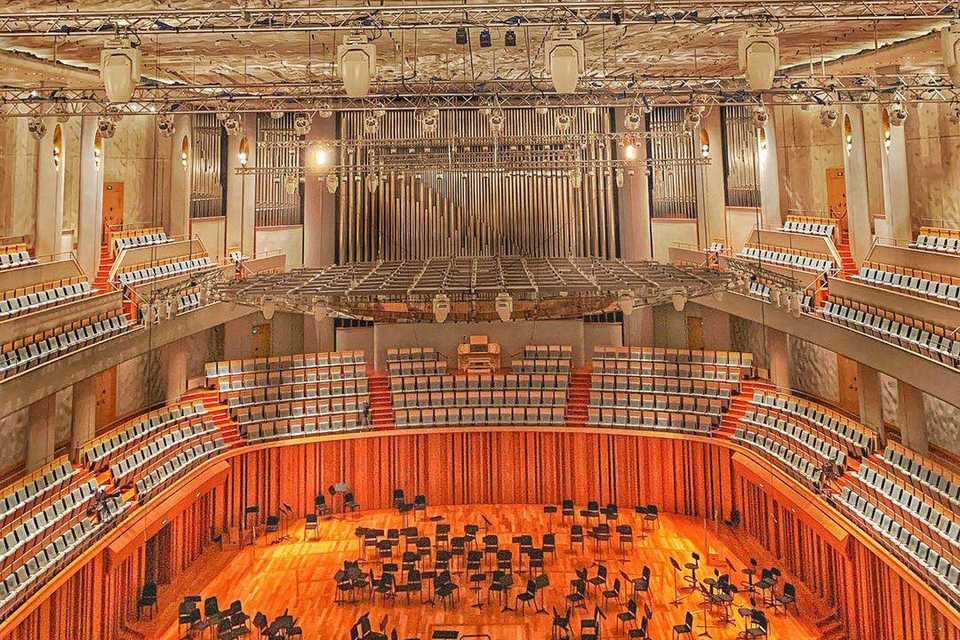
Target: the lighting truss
(505, 142)
(538, 288)
(165, 22)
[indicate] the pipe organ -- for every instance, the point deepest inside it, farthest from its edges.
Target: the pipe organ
(476, 183)
(207, 188)
(279, 188)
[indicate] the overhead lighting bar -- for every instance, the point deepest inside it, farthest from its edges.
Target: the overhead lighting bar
(175, 23)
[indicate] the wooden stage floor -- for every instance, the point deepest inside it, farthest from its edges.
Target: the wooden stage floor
(298, 575)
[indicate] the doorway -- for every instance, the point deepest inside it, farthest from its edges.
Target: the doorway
(106, 411)
(260, 340)
(112, 208)
(837, 196)
(694, 333)
(849, 384)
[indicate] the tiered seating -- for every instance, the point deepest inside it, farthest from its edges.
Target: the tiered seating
(799, 465)
(547, 352)
(188, 302)
(25, 495)
(159, 469)
(137, 238)
(415, 361)
(796, 258)
(104, 451)
(938, 239)
(759, 290)
(32, 351)
(723, 365)
(809, 225)
(299, 391)
(665, 384)
(842, 432)
(910, 521)
(162, 445)
(44, 295)
(146, 272)
(910, 333)
(929, 477)
(300, 368)
(15, 255)
(938, 287)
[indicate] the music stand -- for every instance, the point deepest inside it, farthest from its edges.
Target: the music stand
(550, 509)
(706, 627)
(677, 599)
(285, 511)
(541, 582)
(251, 510)
(340, 488)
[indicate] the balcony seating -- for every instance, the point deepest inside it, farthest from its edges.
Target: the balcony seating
(532, 365)
(126, 471)
(410, 354)
(417, 367)
(487, 398)
(282, 363)
(813, 444)
(792, 460)
(33, 351)
(173, 467)
(22, 496)
(937, 239)
(547, 352)
(654, 384)
(943, 485)
(661, 354)
(940, 288)
(15, 255)
(651, 419)
(43, 296)
(857, 439)
(462, 382)
(290, 376)
(305, 391)
(347, 405)
(470, 416)
(819, 263)
(188, 302)
(910, 333)
(141, 274)
(716, 247)
(99, 454)
(658, 401)
(810, 226)
(138, 238)
(294, 427)
(759, 290)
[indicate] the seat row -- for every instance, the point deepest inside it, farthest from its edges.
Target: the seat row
(23, 496)
(325, 373)
(925, 287)
(859, 439)
(651, 419)
(307, 391)
(799, 466)
(682, 356)
(167, 472)
(188, 302)
(548, 352)
(933, 242)
(44, 298)
(295, 427)
(470, 416)
(15, 256)
(508, 397)
(912, 334)
(284, 363)
(659, 401)
(796, 433)
(919, 555)
(418, 368)
(667, 370)
(481, 382)
(409, 354)
(297, 408)
(65, 340)
(650, 384)
(809, 228)
(759, 290)
(155, 272)
(527, 365)
(139, 240)
(156, 449)
(794, 260)
(941, 483)
(98, 454)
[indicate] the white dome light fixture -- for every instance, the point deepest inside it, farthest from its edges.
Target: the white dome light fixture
(950, 43)
(120, 69)
(357, 62)
(302, 123)
(564, 54)
(758, 57)
(898, 114)
(504, 306)
(333, 182)
(37, 127)
(441, 308)
(632, 121)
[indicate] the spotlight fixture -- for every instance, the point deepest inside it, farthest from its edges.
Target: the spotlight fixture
(510, 38)
(954, 115)
(504, 306)
(165, 125)
(441, 307)
(758, 57)
(107, 126)
(829, 117)
(324, 110)
(232, 125)
(497, 121)
(632, 121)
(485, 41)
(564, 52)
(357, 61)
(37, 127)
(563, 122)
(461, 35)
(333, 182)
(950, 43)
(276, 115)
(429, 122)
(302, 123)
(371, 124)
(692, 118)
(760, 117)
(541, 108)
(898, 114)
(120, 69)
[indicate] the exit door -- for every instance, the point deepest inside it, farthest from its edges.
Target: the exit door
(837, 196)
(112, 208)
(260, 341)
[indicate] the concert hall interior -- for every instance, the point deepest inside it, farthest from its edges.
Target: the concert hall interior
(493, 319)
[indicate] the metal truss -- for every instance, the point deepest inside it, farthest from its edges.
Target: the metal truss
(628, 92)
(447, 16)
(554, 141)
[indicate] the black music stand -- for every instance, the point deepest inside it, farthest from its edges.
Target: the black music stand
(285, 511)
(677, 598)
(252, 510)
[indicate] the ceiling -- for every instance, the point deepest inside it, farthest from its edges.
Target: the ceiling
(612, 51)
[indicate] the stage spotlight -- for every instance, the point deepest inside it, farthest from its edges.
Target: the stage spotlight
(950, 43)
(358, 64)
(165, 125)
(485, 41)
(441, 308)
(497, 122)
(632, 121)
(563, 122)
(759, 57)
(333, 182)
(120, 69)
(302, 122)
(760, 117)
(324, 110)
(510, 38)
(829, 117)
(107, 126)
(232, 125)
(461, 35)
(565, 55)
(504, 306)
(898, 114)
(371, 124)
(38, 128)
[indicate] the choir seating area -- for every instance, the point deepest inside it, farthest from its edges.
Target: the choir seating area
(132, 238)
(15, 255)
(827, 227)
(937, 239)
(793, 258)
(140, 265)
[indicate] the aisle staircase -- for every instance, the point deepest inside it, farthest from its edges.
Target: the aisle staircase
(381, 401)
(218, 412)
(578, 397)
(739, 405)
(847, 265)
(103, 269)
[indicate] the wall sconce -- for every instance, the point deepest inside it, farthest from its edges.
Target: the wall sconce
(57, 147)
(98, 151)
(762, 140)
(322, 156)
(704, 144)
(847, 134)
(243, 152)
(887, 129)
(184, 151)
(630, 151)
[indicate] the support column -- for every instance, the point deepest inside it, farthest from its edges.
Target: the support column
(871, 400)
(180, 177)
(90, 211)
(319, 334)
(769, 175)
(41, 433)
(241, 190)
(175, 357)
(319, 205)
(84, 421)
(48, 204)
(779, 358)
(911, 418)
(896, 184)
(855, 175)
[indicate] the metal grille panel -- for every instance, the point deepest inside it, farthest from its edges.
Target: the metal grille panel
(279, 195)
(206, 189)
(740, 157)
(673, 184)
